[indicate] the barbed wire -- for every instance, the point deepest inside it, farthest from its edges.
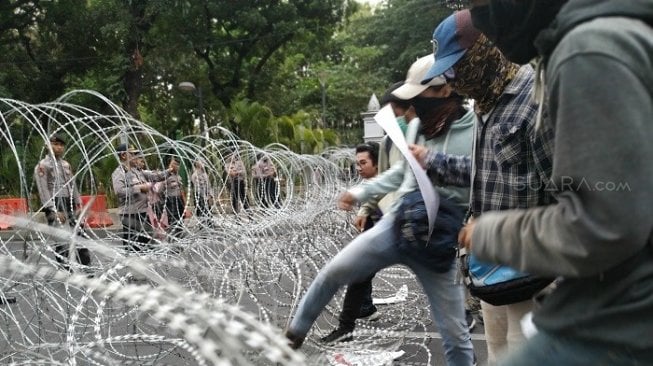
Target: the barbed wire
(219, 294)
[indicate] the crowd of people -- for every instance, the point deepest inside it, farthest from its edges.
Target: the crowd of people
(152, 203)
(558, 181)
(522, 116)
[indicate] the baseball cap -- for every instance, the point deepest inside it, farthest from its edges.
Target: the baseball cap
(416, 74)
(388, 97)
(125, 148)
(57, 138)
(451, 39)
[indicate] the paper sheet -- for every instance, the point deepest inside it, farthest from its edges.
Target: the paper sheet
(387, 120)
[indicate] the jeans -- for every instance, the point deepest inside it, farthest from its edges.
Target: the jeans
(555, 349)
(372, 251)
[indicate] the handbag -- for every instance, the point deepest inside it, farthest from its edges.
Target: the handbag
(498, 284)
(438, 251)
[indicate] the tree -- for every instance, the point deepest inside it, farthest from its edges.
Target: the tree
(237, 39)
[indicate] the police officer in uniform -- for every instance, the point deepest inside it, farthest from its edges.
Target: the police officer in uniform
(131, 183)
(59, 196)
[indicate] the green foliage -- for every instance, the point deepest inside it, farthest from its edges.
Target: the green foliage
(285, 58)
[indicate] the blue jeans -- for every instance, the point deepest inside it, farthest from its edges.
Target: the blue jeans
(372, 251)
(548, 349)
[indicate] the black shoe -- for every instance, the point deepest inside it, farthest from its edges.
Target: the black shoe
(338, 334)
(471, 322)
(294, 341)
(370, 315)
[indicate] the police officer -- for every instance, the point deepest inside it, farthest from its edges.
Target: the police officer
(237, 177)
(174, 202)
(203, 193)
(131, 184)
(59, 196)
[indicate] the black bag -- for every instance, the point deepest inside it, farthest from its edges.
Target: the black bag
(438, 251)
(498, 284)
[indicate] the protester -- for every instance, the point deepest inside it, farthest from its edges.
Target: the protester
(512, 161)
(358, 298)
(379, 247)
(55, 182)
(358, 303)
(596, 58)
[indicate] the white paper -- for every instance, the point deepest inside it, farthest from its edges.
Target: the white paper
(387, 120)
(400, 296)
(370, 358)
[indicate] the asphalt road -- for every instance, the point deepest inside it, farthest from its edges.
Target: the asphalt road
(420, 342)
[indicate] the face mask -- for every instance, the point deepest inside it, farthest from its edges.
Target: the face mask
(513, 25)
(401, 121)
(437, 114)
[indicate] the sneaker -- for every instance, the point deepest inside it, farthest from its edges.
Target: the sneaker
(370, 315)
(471, 322)
(294, 341)
(338, 334)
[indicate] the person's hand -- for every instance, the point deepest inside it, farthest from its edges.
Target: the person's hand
(465, 235)
(419, 152)
(359, 222)
(61, 216)
(144, 187)
(346, 201)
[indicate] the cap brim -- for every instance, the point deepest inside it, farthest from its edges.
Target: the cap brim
(443, 64)
(409, 91)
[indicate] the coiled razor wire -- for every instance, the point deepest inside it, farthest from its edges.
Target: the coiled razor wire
(219, 295)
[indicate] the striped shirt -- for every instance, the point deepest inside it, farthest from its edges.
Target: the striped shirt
(512, 161)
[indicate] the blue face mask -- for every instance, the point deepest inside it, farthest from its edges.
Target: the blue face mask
(401, 121)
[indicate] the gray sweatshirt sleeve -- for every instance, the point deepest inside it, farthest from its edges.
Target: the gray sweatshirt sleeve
(602, 173)
(380, 185)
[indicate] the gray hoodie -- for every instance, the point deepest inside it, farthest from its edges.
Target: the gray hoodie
(598, 236)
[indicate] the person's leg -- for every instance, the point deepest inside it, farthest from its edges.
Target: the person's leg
(353, 302)
(514, 314)
(447, 300)
(243, 194)
(557, 349)
(368, 253)
(178, 227)
(83, 254)
(367, 307)
(274, 193)
(144, 232)
(234, 196)
(267, 197)
(495, 320)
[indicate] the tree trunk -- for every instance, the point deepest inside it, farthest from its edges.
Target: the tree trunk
(133, 82)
